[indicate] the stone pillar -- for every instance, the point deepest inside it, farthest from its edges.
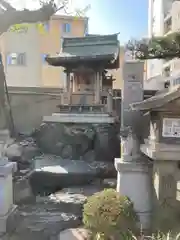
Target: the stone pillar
(7, 209)
(97, 88)
(70, 89)
(100, 82)
(134, 179)
(68, 85)
(3, 109)
(165, 190)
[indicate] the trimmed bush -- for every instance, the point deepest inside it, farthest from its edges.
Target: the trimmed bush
(109, 214)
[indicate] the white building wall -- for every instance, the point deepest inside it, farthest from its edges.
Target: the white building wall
(155, 20)
(156, 13)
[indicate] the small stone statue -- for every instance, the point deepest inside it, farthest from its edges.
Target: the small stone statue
(110, 101)
(129, 143)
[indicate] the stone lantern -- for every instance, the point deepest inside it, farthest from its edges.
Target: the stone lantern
(163, 148)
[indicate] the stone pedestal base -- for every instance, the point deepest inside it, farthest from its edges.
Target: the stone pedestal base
(134, 181)
(7, 208)
(8, 222)
(166, 208)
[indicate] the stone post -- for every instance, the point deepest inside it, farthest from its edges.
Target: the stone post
(134, 178)
(100, 81)
(165, 191)
(110, 101)
(3, 114)
(71, 90)
(97, 88)
(7, 208)
(68, 86)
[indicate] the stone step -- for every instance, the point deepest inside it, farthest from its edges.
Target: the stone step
(69, 200)
(77, 118)
(75, 234)
(50, 215)
(4, 135)
(81, 114)
(72, 199)
(42, 222)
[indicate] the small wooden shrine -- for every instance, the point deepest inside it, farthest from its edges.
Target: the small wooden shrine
(86, 62)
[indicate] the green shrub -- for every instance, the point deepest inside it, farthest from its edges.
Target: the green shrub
(108, 213)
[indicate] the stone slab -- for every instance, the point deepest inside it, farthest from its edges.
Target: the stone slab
(132, 91)
(54, 173)
(7, 169)
(4, 135)
(74, 234)
(162, 152)
(8, 222)
(78, 119)
(22, 192)
(91, 114)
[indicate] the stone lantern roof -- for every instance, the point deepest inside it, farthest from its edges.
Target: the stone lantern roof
(92, 48)
(159, 100)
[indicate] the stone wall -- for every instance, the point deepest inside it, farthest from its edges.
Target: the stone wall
(30, 104)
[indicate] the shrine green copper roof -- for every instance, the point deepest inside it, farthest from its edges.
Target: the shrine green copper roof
(85, 49)
(159, 100)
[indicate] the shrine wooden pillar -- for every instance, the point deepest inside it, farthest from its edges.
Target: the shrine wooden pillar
(68, 85)
(110, 101)
(98, 87)
(71, 89)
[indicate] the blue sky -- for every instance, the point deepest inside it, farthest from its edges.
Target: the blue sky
(129, 17)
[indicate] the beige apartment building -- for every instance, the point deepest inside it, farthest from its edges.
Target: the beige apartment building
(24, 52)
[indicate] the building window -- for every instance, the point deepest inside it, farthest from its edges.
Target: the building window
(18, 59)
(152, 66)
(167, 72)
(46, 26)
(66, 28)
(176, 82)
(44, 58)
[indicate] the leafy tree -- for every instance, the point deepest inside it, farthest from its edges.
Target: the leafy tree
(165, 47)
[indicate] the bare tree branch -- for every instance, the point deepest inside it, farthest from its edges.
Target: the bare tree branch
(6, 5)
(12, 16)
(9, 16)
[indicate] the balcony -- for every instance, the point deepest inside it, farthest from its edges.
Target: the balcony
(166, 72)
(167, 16)
(168, 25)
(167, 63)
